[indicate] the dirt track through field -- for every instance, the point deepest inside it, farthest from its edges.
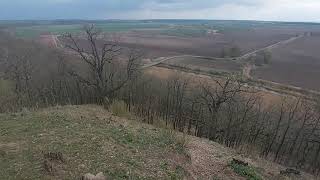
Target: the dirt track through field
(56, 41)
(245, 56)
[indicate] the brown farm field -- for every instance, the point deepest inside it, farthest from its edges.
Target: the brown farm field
(154, 44)
(297, 64)
(211, 45)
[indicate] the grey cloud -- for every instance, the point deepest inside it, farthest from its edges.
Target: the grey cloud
(128, 9)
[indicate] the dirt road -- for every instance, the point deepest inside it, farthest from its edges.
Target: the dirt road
(245, 56)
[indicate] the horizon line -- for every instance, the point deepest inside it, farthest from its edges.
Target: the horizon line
(158, 19)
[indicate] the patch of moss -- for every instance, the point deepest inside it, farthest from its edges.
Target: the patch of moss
(245, 171)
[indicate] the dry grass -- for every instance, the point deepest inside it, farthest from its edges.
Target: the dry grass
(119, 108)
(89, 139)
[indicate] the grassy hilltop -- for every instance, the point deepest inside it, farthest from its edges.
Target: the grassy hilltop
(89, 139)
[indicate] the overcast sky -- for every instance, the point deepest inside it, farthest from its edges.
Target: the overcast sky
(278, 10)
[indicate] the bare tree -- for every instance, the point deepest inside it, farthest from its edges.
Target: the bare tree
(18, 67)
(107, 74)
(290, 118)
(214, 96)
(274, 133)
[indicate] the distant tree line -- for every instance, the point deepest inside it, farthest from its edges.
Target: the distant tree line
(232, 52)
(222, 110)
(262, 58)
